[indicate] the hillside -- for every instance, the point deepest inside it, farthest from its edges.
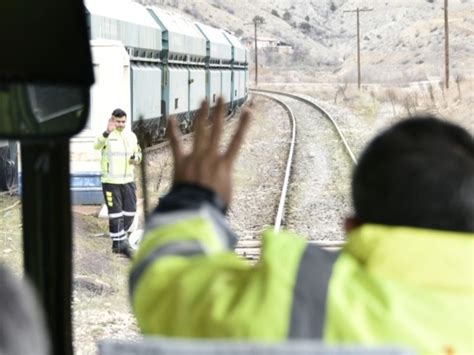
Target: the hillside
(400, 39)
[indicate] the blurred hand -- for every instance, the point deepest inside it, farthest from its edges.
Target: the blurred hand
(110, 125)
(205, 165)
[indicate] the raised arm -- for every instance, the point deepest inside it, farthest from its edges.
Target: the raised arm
(101, 139)
(186, 279)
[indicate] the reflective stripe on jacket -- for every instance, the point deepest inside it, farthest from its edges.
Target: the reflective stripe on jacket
(389, 285)
(117, 149)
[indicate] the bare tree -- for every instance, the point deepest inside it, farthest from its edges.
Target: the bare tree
(392, 95)
(341, 90)
(458, 81)
(432, 96)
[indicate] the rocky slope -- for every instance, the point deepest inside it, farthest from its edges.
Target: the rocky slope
(400, 39)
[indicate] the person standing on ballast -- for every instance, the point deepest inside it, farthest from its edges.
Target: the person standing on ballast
(120, 153)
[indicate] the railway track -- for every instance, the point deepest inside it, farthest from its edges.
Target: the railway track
(300, 202)
(315, 185)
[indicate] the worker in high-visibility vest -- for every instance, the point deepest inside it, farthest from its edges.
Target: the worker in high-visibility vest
(404, 277)
(120, 152)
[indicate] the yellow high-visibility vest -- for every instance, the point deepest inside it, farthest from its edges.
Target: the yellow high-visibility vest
(389, 285)
(117, 149)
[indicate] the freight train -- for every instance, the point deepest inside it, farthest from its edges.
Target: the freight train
(154, 65)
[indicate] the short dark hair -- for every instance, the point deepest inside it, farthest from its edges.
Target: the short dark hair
(418, 173)
(118, 113)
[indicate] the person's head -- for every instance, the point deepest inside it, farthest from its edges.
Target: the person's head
(120, 119)
(22, 326)
(418, 173)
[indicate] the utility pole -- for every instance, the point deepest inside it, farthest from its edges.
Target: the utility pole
(358, 40)
(257, 20)
(446, 44)
(256, 52)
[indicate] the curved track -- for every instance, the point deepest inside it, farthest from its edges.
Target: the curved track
(313, 195)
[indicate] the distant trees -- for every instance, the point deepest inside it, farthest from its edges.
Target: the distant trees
(275, 13)
(300, 54)
(287, 16)
(305, 27)
(258, 20)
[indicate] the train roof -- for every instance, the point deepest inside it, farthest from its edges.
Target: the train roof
(180, 35)
(240, 53)
(123, 20)
(219, 46)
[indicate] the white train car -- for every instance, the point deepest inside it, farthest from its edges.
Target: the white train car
(153, 64)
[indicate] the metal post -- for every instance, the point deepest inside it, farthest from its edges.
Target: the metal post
(257, 20)
(357, 11)
(256, 55)
(358, 50)
(47, 243)
(446, 44)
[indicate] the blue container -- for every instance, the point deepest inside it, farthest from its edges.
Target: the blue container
(86, 189)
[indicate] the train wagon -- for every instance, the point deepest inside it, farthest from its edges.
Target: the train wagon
(153, 64)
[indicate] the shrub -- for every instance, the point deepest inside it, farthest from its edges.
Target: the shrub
(275, 13)
(305, 27)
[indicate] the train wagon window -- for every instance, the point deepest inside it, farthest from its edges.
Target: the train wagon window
(176, 103)
(214, 98)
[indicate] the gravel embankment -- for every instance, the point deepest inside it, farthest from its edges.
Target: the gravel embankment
(319, 191)
(258, 172)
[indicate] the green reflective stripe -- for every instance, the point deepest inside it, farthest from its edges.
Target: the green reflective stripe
(215, 295)
(277, 272)
(310, 293)
(196, 227)
(205, 225)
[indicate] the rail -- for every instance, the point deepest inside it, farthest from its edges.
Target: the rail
(320, 109)
(253, 246)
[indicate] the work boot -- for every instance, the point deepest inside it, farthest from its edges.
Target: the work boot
(122, 247)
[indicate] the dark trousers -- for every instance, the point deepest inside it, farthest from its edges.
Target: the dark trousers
(121, 201)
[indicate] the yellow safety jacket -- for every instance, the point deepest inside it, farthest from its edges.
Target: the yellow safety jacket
(389, 285)
(117, 149)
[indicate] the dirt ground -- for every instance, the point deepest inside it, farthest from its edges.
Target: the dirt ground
(101, 306)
